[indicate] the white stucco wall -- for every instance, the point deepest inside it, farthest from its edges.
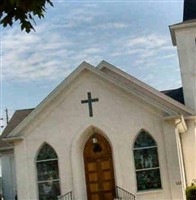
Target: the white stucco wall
(187, 59)
(186, 45)
(189, 151)
(65, 124)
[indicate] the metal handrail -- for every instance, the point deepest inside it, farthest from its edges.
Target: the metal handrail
(67, 196)
(123, 194)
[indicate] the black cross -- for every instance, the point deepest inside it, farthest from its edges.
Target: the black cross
(90, 101)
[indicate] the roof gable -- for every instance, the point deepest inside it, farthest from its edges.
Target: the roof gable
(16, 119)
(170, 96)
(120, 79)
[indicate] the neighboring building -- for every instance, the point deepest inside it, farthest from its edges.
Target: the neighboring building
(102, 128)
(7, 157)
(0, 187)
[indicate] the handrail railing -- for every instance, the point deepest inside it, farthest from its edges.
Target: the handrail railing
(67, 196)
(123, 194)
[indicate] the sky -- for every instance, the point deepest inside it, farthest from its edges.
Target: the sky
(132, 35)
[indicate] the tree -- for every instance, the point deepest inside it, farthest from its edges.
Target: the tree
(23, 11)
(191, 192)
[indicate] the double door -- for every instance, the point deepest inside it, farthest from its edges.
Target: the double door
(99, 171)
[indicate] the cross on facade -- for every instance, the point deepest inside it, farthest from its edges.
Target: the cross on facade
(90, 101)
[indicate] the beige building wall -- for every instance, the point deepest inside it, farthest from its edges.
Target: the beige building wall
(186, 47)
(189, 151)
(65, 124)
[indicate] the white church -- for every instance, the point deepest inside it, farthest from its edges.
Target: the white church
(105, 135)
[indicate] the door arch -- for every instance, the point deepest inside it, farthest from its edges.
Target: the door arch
(99, 171)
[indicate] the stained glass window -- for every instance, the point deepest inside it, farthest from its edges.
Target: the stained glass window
(47, 173)
(146, 163)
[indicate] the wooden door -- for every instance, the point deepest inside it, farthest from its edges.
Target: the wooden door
(99, 170)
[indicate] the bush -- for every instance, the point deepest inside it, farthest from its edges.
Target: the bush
(191, 192)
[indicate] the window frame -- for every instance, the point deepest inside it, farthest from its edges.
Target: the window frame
(149, 168)
(42, 161)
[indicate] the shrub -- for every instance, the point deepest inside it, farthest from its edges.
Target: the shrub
(191, 192)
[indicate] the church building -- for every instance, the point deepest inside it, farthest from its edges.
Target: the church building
(105, 135)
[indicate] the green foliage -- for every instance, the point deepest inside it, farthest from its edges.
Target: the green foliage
(23, 11)
(191, 192)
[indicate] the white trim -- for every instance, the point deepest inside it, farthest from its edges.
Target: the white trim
(52, 180)
(181, 162)
(46, 160)
(13, 139)
(149, 191)
(180, 156)
(147, 169)
(141, 84)
(138, 148)
(181, 124)
(40, 161)
(179, 26)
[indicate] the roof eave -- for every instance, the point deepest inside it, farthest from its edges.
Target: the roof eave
(179, 123)
(180, 26)
(6, 149)
(13, 139)
(146, 87)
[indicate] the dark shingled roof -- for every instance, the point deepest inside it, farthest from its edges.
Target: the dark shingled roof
(16, 119)
(176, 94)
(189, 10)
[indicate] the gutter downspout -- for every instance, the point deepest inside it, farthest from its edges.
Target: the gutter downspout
(181, 126)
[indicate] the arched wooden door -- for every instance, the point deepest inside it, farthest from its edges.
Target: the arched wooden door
(99, 170)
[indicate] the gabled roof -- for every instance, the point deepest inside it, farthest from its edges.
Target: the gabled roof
(176, 95)
(108, 72)
(16, 119)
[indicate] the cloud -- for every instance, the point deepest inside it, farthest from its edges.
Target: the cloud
(148, 48)
(54, 50)
(91, 50)
(78, 17)
(148, 41)
(34, 56)
(49, 55)
(112, 25)
(91, 5)
(83, 33)
(124, 52)
(152, 58)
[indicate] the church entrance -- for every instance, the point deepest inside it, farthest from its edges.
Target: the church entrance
(99, 170)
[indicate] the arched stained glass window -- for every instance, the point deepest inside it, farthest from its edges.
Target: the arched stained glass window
(146, 162)
(47, 173)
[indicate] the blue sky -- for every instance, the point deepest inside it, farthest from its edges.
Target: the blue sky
(132, 35)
